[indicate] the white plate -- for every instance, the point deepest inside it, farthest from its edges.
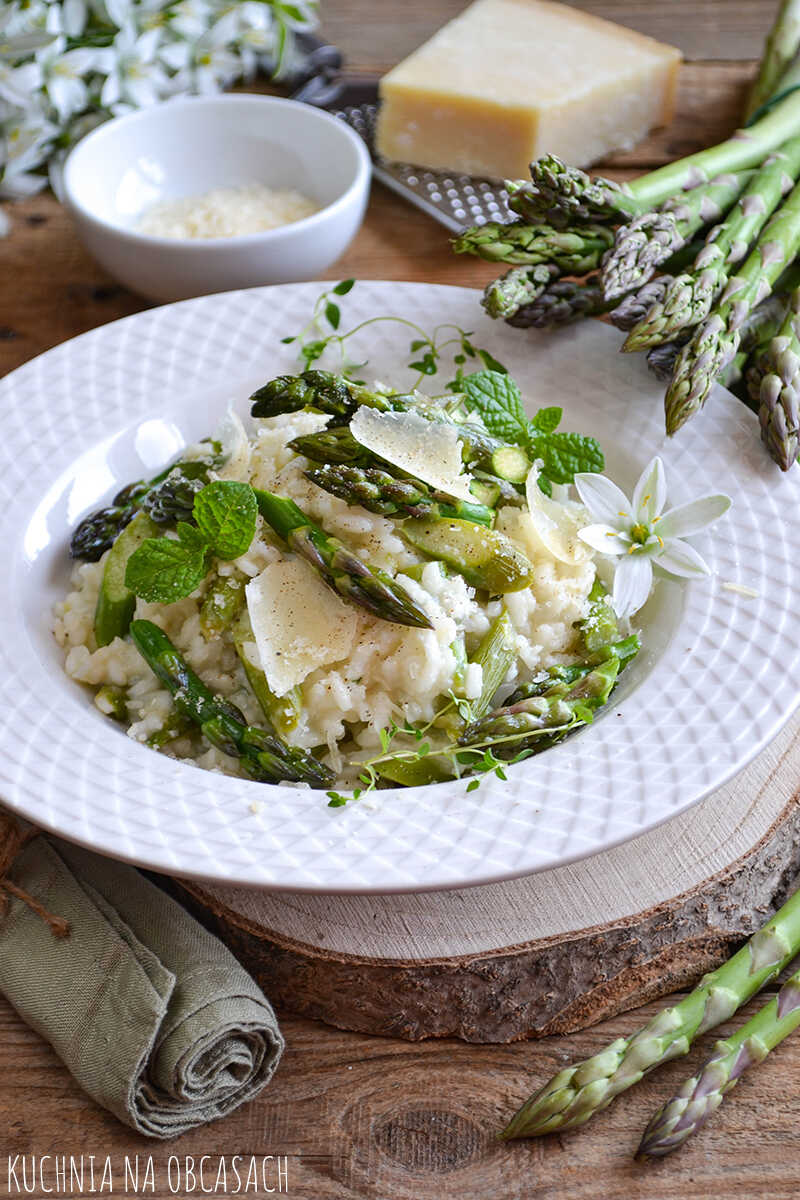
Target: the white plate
(716, 680)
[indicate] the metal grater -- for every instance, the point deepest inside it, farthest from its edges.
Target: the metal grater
(456, 201)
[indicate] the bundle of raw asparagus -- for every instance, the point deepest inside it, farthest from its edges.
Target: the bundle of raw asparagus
(576, 1093)
(697, 261)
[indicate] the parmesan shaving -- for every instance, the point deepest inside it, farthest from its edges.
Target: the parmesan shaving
(231, 435)
(298, 623)
(431, 452)
(226, 212)
(553, 525)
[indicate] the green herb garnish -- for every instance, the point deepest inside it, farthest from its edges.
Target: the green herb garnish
(497, 400)
(163, 570)
(426, 350)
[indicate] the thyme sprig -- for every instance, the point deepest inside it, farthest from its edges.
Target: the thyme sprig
(427, 351)
(478, 759)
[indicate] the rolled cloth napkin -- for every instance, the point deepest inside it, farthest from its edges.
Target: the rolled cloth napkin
(153, 1016)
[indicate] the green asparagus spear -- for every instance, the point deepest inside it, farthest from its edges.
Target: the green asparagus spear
(599, 626)
(732, 374)
(263, 755)
(342, 570)
(557, 680)
(172, 499)
(689, 299)
(222, 602)
(416, 772)
(113, 702)
(328, 393)
(702, 1095)
(167, 498)
(580, 198)
(486, 558)
(517, 288)
(520, 726)
(661, 359)
(633, 309)
(781, 46)
(97, 532)
(282, 712)
(176, 726)
(716, 341)
(762, 323)
(313, 389)
(566, 250)
(566, 300)
(116, 602)
(495, 654)
(559, 303)
(576, 1093)
(647, 241)
(527, 204)
(380, 492)
(779, 391)
(335, 445)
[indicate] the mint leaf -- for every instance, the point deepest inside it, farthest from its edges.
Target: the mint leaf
(546, 420)
(497, 400)
(491, 362)
(191, 537)
(225, 512)
(564, 454)
(163, 570)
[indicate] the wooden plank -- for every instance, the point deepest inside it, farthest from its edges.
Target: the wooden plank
(373, 1118)
(373, 36)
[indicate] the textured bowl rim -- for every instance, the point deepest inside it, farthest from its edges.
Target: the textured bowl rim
(190, 246)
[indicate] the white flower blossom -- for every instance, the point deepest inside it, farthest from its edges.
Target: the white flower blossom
(26, 142)
(639, 533)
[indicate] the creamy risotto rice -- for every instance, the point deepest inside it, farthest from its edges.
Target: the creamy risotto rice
(393, 671)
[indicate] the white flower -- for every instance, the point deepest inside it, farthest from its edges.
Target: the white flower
(215, 64)
(136, 75)
(14, 46)
(18, 84)
(641, 533)
(26, 145)
(64, 73)
(190, 18)
(74, 15)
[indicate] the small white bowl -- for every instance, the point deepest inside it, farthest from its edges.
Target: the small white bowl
(188, 147)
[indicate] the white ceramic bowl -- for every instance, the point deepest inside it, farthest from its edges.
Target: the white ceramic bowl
(187, 147)
(718, 674)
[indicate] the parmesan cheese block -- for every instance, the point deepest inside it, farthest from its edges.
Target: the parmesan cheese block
(510, 80)
(430, 452)
(298, 623)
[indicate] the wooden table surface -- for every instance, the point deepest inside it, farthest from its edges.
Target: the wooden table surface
(372, 1117)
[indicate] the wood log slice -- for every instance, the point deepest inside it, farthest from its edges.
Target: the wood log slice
(545, 954)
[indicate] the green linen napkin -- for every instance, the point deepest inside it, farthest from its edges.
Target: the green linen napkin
(153, 1016)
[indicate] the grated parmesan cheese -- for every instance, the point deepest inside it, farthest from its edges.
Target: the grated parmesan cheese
(226, 212)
